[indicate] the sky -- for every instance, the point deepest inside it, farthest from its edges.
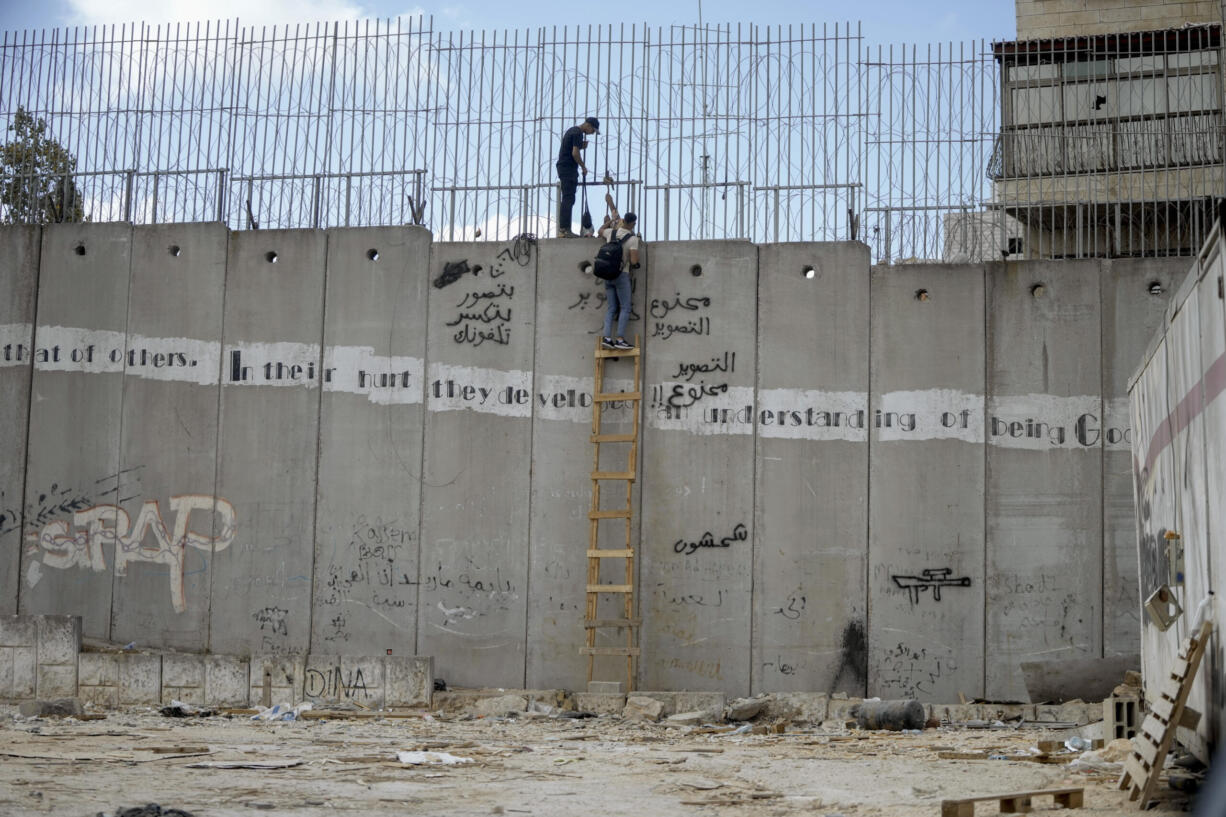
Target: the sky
(884, 21)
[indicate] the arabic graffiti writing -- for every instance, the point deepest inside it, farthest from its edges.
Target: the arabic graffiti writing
(685, 322)
(739, 534)
(484, 311)
(932, 579)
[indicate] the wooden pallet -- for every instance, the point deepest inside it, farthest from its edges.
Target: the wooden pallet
(627, 622)
(1015, 803)
(1153, 742)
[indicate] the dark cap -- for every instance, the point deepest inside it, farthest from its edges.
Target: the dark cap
(630, 217)
(594, 122)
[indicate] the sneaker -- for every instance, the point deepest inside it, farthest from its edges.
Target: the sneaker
(622, 345)
(565, 234)
(608, 343)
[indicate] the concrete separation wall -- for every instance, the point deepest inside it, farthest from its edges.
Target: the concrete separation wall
(274, 444)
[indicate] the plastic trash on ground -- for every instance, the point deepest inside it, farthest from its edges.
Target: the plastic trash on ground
(431, 758)
(281, 712)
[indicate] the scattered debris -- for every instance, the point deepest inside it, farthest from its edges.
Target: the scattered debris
(641, 708)
(244, 764)
(501, 706)
(894, 716)
(282, 712)
(431, 759)
(178, 709)
(1010, 803)
(149, 810)
(744, 709)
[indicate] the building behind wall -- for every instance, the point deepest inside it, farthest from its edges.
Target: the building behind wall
(1111, 127)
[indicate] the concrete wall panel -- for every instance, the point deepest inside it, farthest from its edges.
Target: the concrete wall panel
(1044, 486)
(1132, 312)
(19, 250)
(926, 467)
(366, 545)
(475, 497)
(698, 455)
(811, 497)
(569, 316)
(73, 481)
(168, 454)
(271, 373)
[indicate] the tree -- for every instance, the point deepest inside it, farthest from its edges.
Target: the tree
(36, 182)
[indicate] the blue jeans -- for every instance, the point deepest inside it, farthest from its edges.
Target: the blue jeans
(617, 293)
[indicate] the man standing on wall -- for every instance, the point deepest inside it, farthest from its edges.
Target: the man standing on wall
(617, 290)
(569, 161)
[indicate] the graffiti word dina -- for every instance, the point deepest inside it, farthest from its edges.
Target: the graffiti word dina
(332, 683)
(81, 542)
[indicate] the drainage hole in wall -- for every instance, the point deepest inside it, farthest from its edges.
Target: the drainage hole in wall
(585, 267)
(921, 295)
(1155, 288)
(696, 270)
(270, 257)
(808, 272)
(79, 249)
(1037, 291)
(372, 254)
(174, 250)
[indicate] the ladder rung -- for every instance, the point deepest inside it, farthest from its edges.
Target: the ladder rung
(608, 650)
(613, 438)
(613, 475)
(610, 588)
(597, 553)
(618, 352)
(614, 396)
(596, 623)
(620, 514)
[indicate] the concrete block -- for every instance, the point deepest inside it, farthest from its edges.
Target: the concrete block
(501, 705)
(183, 678)
(57, 680)
(797, 706)
(841, 708)
(332, 678)
(605, 687)
(227, 680)
(140, 680)
(744, 709)
(98, 679)
(17, 672)
(955, 713)
(18, 631)
(643, 708)
(689, 701)
(284, 675)
(1078, 712)
(408, 680)
(59, 639)
(66, 707)
(600, 703)
(98, 669)
(668, 700)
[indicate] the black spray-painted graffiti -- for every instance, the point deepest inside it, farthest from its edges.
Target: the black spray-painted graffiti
(930, 579)
(665, 326)
(793, 609)
(332, 683)
(272, 619)
(739, 534)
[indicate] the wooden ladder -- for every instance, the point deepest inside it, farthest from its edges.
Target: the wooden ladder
(596, 555)
(1169, 710)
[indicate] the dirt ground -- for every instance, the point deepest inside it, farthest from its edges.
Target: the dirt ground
(538, 766)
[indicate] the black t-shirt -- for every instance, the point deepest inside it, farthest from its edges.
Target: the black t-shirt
(573, 138)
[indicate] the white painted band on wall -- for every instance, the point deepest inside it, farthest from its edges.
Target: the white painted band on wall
(472, 388)
(383, 379)
(72, 349)
(928, 414)
(184, 360)
(16, 344)
(1045, 422)
(804, 414)
(702, 409)
(271, 364)
(569, 399)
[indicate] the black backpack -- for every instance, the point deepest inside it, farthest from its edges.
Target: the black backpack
(608, 263)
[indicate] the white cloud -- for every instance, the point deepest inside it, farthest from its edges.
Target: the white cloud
(265, 12)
